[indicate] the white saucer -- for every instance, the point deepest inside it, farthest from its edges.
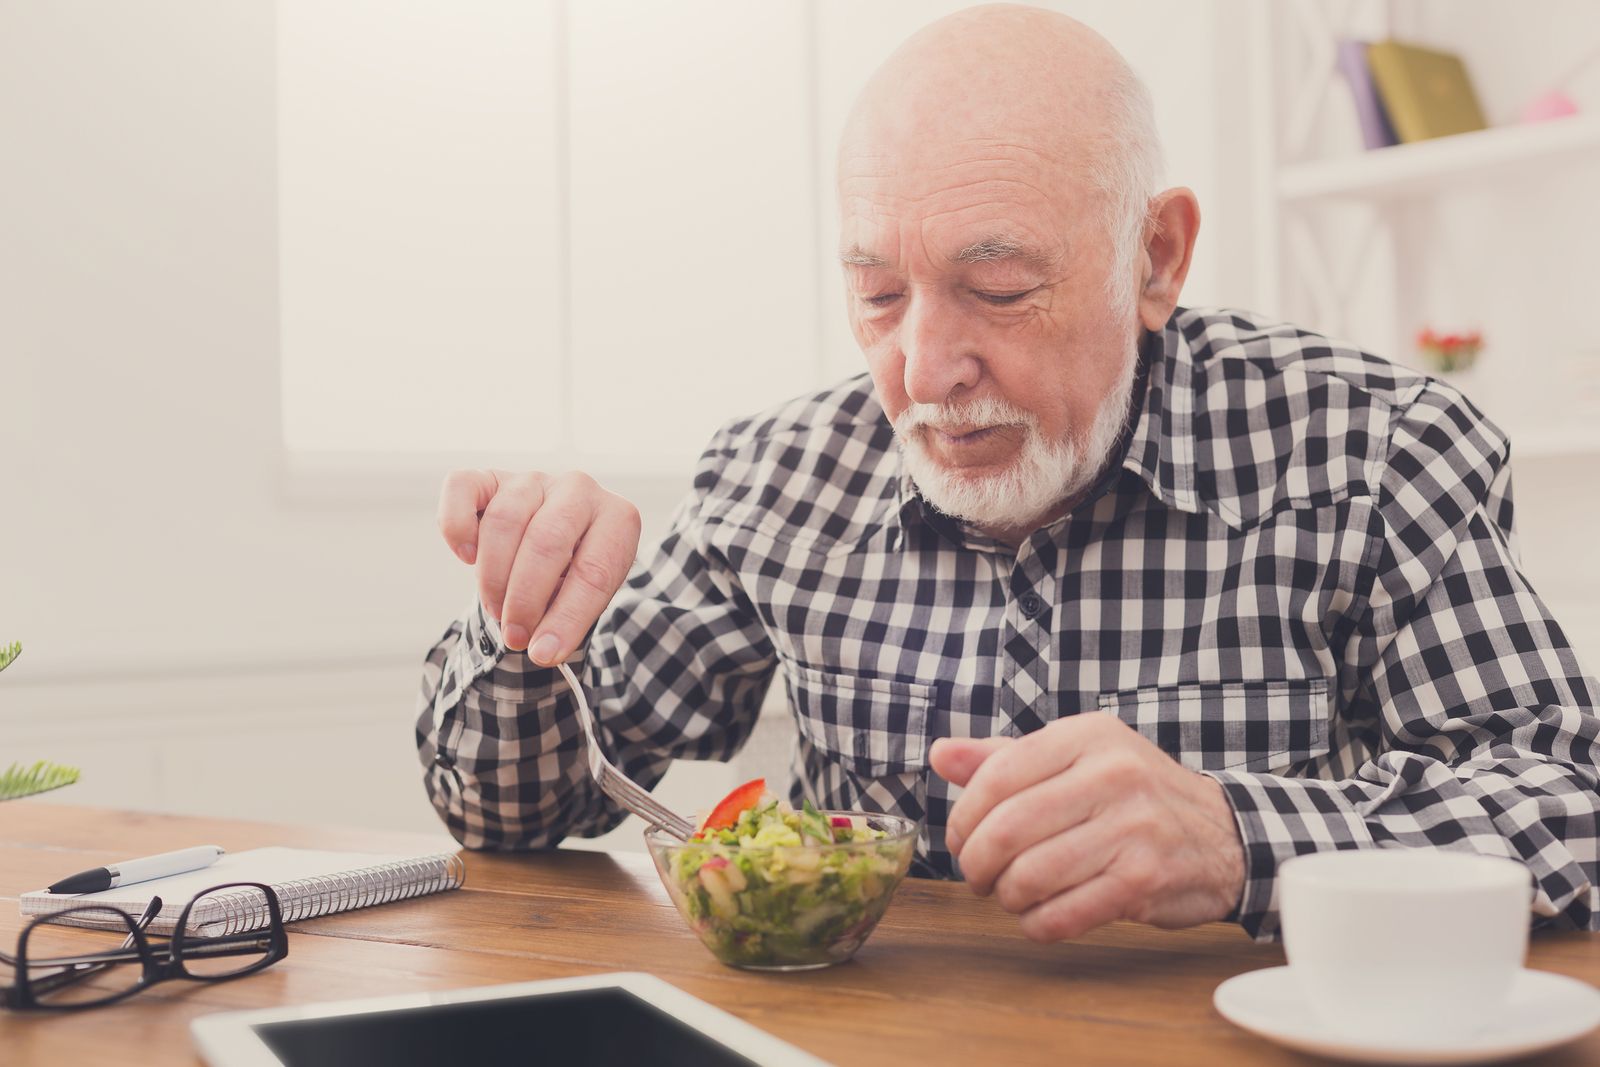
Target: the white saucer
(1544, 1010)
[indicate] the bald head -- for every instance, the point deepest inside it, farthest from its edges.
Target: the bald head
(1002, 72)
(1025, 83)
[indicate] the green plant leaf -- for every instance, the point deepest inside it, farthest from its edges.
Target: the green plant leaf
(20, 781)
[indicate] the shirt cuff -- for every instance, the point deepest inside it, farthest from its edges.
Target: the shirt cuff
(1279, 818)
(485, 646)
(481, 644)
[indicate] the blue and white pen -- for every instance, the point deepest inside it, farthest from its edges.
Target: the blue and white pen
(140, 870)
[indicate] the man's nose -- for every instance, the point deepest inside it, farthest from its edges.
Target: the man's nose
(940, 353)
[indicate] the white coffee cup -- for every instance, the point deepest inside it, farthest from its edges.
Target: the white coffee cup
(1406, 945)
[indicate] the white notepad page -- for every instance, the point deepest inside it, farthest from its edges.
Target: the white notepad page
(308, 882)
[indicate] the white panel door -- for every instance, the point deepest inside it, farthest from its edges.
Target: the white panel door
(420, 225)
(693, 221)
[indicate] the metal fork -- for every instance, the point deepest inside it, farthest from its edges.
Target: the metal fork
(613, 782)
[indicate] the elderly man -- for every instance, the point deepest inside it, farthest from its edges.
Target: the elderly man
(1127, 602)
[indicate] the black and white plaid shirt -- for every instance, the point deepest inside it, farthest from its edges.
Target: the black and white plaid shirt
(1301, 581)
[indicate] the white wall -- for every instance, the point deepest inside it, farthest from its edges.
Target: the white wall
(161, 583)
(208, 628)
(421, 212)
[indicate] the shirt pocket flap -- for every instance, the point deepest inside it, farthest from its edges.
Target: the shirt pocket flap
(1233, 726)
(875, 726)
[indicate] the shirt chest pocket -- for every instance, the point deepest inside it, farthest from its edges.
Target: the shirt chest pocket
(1234, 726)
(875, 727)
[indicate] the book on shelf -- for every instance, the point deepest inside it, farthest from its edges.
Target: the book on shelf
(1376, 129)
(1426, 93)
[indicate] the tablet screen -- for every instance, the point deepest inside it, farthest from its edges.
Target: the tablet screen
(590, 1026)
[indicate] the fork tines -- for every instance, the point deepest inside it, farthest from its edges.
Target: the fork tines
(628, 793)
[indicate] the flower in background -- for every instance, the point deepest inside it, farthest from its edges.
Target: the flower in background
(1446, 352)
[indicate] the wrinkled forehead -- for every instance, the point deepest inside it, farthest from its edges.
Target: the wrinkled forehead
(974, 199)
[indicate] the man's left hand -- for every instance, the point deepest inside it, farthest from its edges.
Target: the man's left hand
(1085, 822)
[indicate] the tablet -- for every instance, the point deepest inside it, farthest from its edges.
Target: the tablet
(600, 1019)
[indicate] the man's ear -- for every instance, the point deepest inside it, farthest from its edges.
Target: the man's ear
(1173, 224)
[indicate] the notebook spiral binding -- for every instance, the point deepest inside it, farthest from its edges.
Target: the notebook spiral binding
(238, 910)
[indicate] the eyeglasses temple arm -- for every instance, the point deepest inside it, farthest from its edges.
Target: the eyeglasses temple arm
(151, 910)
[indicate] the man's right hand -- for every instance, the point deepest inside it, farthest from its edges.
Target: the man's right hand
(550, 550)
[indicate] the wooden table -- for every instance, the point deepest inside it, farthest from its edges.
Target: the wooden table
(945, 979)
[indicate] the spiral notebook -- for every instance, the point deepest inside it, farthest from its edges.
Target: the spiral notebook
(308, 883)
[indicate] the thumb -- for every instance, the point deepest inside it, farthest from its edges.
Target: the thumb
(955, 759)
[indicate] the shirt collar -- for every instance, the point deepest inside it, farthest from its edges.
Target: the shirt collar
(1161, 450)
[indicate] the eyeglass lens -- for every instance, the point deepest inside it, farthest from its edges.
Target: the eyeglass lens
(209, 916)
(44, 942)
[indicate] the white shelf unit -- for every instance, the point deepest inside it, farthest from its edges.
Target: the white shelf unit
(1444, 164)
(1332, 218)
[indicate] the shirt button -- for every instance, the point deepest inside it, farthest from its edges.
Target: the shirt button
(485, 645)
(1030, 604)
(443, 761)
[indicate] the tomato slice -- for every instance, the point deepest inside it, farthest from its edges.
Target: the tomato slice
(727, 811)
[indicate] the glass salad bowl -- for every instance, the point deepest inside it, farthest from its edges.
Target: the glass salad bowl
(767, 906)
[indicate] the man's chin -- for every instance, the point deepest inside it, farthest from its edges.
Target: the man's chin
(1008, 496)
(982, 496)
(972, 477)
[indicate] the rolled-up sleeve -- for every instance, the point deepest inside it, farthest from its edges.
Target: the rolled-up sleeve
(676, 668)
(1486, 729)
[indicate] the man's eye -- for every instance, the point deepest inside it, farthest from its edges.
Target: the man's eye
(1003, 298)
(882, 300)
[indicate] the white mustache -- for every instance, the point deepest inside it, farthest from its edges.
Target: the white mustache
(986, 412)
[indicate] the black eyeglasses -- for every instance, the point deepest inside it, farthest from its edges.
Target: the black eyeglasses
(54, 973)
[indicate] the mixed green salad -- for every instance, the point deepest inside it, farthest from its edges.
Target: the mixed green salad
(766, 885)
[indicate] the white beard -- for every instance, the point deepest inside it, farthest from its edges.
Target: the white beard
(1044, 474)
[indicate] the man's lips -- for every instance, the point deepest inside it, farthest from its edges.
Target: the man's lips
(968, 447)
(957, 436)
